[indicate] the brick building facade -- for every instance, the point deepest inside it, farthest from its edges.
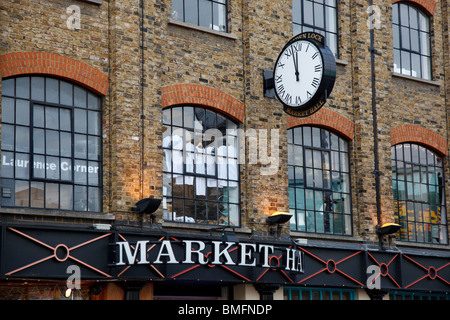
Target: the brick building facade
(144, 60)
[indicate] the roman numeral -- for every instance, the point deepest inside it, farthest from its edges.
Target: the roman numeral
(315, 82)
(281, 90)
(279, 78)
(288, 98)
(315, 55)
(318, 68)
(280, 65)
(298, 100)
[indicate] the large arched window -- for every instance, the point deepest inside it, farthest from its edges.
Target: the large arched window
(419, 198)
(51, 145)
(200, 168)
(412, 49)
(319, 181)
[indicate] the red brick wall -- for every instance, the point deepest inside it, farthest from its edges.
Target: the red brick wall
(327, 119)
(419, 135)
(427, 5)
(205, 96)
(19, 63)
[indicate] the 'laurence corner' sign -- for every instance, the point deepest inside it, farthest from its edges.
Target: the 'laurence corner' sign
(187, 253)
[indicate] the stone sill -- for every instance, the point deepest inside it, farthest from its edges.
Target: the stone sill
(420, 80)
(58, 213)
(202, 29)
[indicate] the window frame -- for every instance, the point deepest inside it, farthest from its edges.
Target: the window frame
(415, 185)
(339, 188)
(304, 27)
(290, 293)
(403, 49)
(220, 3)
(190, 171)
(92, 189)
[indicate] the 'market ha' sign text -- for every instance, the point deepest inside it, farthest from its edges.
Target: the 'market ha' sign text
(210, 253)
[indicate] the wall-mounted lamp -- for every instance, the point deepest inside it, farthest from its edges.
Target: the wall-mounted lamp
(147, 206)
(387, 229)
(278, 218)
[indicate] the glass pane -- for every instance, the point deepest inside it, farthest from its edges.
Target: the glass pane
(7, 169)
(94, 148)
(38, 141)
(22, 164)
(7, 137)
(37, 194)
(94, 199)
(8, 87)
(405, 38)
(51, 118)
(64, 119)
(415, 64)
(52, 142)
(66, 93)
(80, 198)
(39, 167)
(93, 101)
(22, 112)
(66, 169)
(319, 20)
(93, 173)
(23, 87)
(7, 110)
(79, 97)
(396, 35)
(66, 197)
(80, 121)
(205, 13)
(219, 17)
(37, 88)
(397, 61)
(38, 116)
(308, 12)
(406, 63)
(296, 11)
(80, 146)
(80, 172)
(330, 15)
(21, 193)
(51, 90)
(52, 168)
(177, 10)
(51, 195)
(22, 139)
(191, 13)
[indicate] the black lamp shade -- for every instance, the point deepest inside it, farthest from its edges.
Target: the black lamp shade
(279, 217)
(148, 205)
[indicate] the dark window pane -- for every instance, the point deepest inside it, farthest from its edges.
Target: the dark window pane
(8, 110)
(52, 90)
(23, 87)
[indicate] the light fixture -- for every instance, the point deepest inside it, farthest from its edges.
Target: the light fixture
(68, 292)
(147, 205)
(279, 217)
(388, 228)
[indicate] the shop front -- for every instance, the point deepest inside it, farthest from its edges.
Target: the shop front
(157, 264)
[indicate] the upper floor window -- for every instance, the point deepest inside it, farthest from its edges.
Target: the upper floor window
(318, 16)
(412, 49)
(319, 181)
(51, 145)
(419, 198)
(211, 14)
(200, 167)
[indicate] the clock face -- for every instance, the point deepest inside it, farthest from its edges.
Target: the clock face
(298, 73)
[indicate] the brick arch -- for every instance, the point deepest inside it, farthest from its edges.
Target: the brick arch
(327, 119)
(423, 136)
(44, 63)
(195, 94)
(426, 5)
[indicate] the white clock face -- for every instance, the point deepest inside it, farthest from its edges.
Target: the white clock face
(298, 73)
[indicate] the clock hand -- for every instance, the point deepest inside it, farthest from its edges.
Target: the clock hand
(296, 67)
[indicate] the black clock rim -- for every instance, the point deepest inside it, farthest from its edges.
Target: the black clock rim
(316, 96)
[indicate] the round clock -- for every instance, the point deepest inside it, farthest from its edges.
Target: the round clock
(304, 74)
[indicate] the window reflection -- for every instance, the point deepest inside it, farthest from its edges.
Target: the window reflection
(201, 172)
(319, 182)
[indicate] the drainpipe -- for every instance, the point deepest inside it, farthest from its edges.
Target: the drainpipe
(376, 170)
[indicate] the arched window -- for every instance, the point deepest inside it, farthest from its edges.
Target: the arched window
(412, 48)
(419, 198)
(51, 145)
(200, 167)
(318, 16)
(319, 181)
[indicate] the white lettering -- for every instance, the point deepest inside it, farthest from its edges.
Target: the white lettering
(224, 252)
(247, 254)
(166, 245)
(131, 257)
(190, 251)
(266, 249)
